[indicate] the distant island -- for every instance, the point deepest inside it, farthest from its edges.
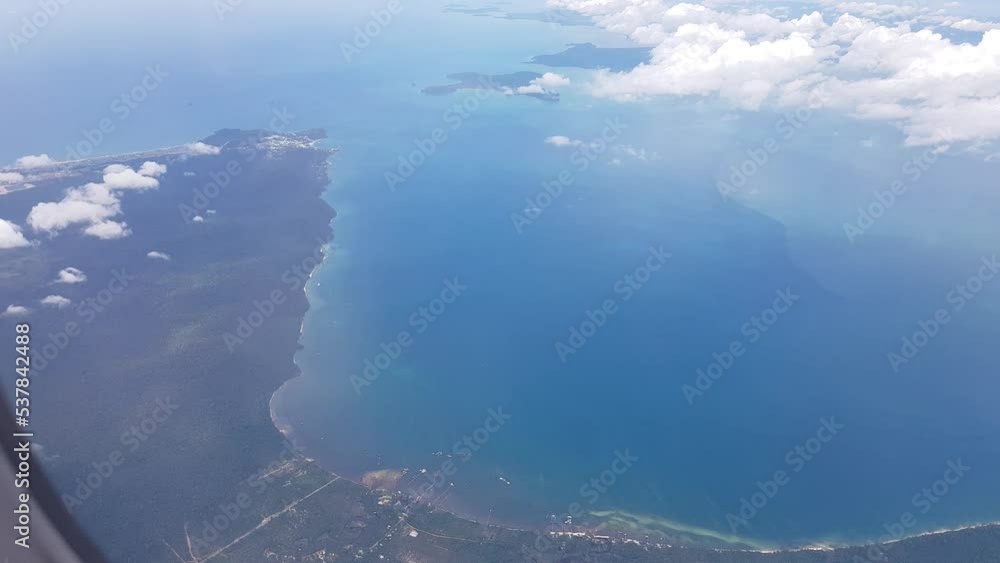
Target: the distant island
(588, 55)
(514, 84)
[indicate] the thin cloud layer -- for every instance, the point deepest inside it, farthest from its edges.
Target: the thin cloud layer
(872, 61)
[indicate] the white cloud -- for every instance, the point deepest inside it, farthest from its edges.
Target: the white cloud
(189, 174)
(544, 84)
(71, 275)
(129, 179)
(57, 301)
(157, 255)
(115, 168)
(15, 311)
(530, 89)
(551, 80)
(198, 219)
(8, 178)
(973, 25)
(94, 204)
(53, 217)
(561, 141)
(10, 235)
(201, 149)
(34, 161)
(108, 230)
(152, 169)
(871, 61)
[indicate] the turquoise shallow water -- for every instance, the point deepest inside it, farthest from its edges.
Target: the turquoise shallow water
(494, 347)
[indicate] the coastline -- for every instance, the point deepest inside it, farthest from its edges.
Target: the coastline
(286, 429)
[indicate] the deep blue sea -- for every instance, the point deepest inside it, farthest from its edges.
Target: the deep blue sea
(820, 362)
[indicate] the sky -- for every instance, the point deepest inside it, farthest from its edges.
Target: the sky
(931, 67)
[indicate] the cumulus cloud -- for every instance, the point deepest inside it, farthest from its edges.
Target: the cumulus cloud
(15, 311)
(56, 301)
(8, 178)
(129, 179)
(71, 275)
(546, 83)
(198, 219)
(108, 230)
(52, 217)
(872, 61)
(34, 161)
(10, 235)
(152, 169)
(157, 255)
(95, 204)
(201, 149)
(115, 168)
(551, 80)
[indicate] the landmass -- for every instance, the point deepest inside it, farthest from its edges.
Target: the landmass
(154, 413)
(590, 56)
(514, 84)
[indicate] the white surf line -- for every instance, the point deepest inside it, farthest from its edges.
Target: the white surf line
(265, 522)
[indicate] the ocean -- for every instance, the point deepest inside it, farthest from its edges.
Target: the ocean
(576, 330)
